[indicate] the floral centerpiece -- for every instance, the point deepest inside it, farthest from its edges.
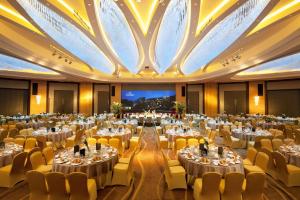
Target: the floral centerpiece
(116, 108)
(180, 108)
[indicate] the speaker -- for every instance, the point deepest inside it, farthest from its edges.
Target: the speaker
(35, 88)
(113, 91)
(260, 90)
(183, 91)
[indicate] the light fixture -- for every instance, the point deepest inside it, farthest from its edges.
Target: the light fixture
(38, 99)
(256, 100)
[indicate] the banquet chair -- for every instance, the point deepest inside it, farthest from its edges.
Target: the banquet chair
(82, 188)
(271, 168)
(42, 142)
(253, 186)
(193, 142)
(103, 141)
(231, 141)
(171, 162)
(38, 162)
(29, 131)
(159, 130)
(28, 165)
(174, 176)
(123, 173)
(57, 186)
(20, 141)
(11, 127)
(4, 126)
(126, 160)
(261, 164)
(139, 130)
(211, 136)
(48, 153)
(286, 173)
(266, 143)
(14, 173)
(134, 143)
(116, 143)
(251, 155)
(207, 187)
(276, 143)
(231, 186)
(180, 143)
(162, 142)
(30, 143)
(37, 185)
(289, 133)
(91, 141)
(23, 132)
(9, 140)
(13, 132)
(3, 135)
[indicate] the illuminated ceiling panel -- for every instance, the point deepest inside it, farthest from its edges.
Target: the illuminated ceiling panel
(281, 10)
(172, 33)
(8, 63)
(223, 35)
(285, 64)
(118, 35)
(67, 35)
(143, 12)
(9, 12)
(211, 10)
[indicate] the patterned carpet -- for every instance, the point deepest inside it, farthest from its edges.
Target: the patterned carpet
(149, 183)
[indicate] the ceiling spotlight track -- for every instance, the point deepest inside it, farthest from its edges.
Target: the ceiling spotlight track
(67, 35)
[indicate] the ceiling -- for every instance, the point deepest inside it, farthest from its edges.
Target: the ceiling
(150, 40)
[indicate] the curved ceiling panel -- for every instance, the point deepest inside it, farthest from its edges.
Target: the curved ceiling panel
(223, 35)
(8, 63)
(172, 33)
(67, 35)
(289, 63)
(118, 35)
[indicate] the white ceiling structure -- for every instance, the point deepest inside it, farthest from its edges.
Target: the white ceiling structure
(150, 40)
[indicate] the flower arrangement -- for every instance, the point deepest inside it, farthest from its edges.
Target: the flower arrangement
(180, 107)
(116, 108)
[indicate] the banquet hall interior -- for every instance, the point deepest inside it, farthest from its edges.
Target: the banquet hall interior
(150, 99)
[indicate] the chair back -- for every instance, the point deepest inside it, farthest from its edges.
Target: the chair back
(78, 136)
(280, 163)
(30, 143)
(233, 186)
(251, 154)
(254, 186)
(297, 137)
(78, 186)
(23, 132)
(56, 183)
(266, 143)
(91, 141)
(103, 141)
(18, 163)
(37, 185)
(193, 142)
(13, 132)
(28, 165)
(37, 160)
(41, 141)
(48, 153)
(276, 143)
(210, 184)
(262, 161)
(3, 135)
(180, 143)
(20, 141)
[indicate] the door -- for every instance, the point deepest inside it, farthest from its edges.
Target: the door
(63, 101)
(103, 102)
(235, 102)
(193, 102)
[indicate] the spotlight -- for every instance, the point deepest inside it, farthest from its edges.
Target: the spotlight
(53, 54)
(66, 60)
(70, 62)
(59, 57)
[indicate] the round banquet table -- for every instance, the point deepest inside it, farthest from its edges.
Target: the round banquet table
(132, 122)
(101, 169)
(194, 167)
(56, 137)
(7, 154)
(171, 134)
(125, 134)
(215, 125)
(248, 134)
(291, 153)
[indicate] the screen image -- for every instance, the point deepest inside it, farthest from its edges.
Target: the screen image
(144, 100)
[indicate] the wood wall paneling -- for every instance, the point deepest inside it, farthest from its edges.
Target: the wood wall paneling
(86, 98)
(36, 108)
(211, 99)
(261, 106)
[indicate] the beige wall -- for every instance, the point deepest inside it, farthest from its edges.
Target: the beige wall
(117, 97)
(86, 98)
(211, 99)
(179, 97)
(260, 108)
(42, 91)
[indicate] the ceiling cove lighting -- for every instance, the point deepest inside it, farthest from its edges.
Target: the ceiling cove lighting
(67, 35)
(172, 34)
(286, 64)
(144, 22)
(8, 63)
(210, 16)
(223, 35)
(118, 35)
